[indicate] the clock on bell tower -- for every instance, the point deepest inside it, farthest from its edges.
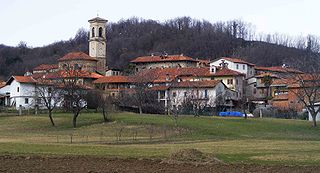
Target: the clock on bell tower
(98, 43)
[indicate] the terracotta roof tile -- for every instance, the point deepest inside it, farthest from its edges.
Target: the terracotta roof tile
(160, 88)
(169, 74)
(24, 79)
(46, 67)
(113, 79)
(266, 74)
(162, 59)
(72, 74)
(278, 69)
(77, 56)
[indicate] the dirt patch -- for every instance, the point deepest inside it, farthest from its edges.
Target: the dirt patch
(92, 164)
(193, 155)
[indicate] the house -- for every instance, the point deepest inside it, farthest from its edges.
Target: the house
(4, 94)
(113, 85)
(163, 61)
(21, 92)
(235, 64)
(287, 92)
(234, 80)
(258, 87)
(208, 93)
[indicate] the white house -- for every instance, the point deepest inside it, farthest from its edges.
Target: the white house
(236, 65)
(21, 90)
(4, 95)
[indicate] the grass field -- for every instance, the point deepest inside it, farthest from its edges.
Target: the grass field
(232, 140)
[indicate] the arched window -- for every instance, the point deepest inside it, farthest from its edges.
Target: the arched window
(93, 35)
(100, 31)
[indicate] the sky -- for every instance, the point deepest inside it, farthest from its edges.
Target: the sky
(41, 22)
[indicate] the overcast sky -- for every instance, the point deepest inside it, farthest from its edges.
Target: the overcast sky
(41, 22)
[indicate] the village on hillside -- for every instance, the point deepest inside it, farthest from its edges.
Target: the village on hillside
(160, 83)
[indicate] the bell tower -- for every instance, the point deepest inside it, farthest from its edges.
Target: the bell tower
(98, 43)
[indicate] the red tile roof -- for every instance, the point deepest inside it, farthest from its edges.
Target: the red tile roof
(237, 60)
(77, 56)
(72, 74)
(262, 75)
(160, 88)
(196, 84)
(24, 79)
(168, 58)
(278, 69)
(46, 67)
(113, 79)
(169, 74)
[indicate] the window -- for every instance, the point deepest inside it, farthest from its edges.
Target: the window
(254, 91)
(77, 67)
(100, 31)
(244, 67)
(237, 66)
(26, 100)
(205, 93)
(230, 81)
(18, 89)
(174, 94)
(237, 82)
(93, 35)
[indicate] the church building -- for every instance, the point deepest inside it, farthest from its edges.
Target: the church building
(95, 62)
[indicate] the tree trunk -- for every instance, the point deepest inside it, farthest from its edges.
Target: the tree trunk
(50, 116)
(105, 119)
(74, 121)
(314, 120)
(140, 109)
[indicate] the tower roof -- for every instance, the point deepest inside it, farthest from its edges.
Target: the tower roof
(97, 19)
(77, 56)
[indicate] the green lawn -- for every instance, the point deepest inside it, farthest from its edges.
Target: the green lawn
(233, 140)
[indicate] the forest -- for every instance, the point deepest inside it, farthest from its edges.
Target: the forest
(130, 38)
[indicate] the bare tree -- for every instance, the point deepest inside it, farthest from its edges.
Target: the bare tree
(306, 87)
(74, 93)
(48, 94)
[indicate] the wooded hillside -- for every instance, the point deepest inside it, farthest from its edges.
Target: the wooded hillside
(128, 39)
